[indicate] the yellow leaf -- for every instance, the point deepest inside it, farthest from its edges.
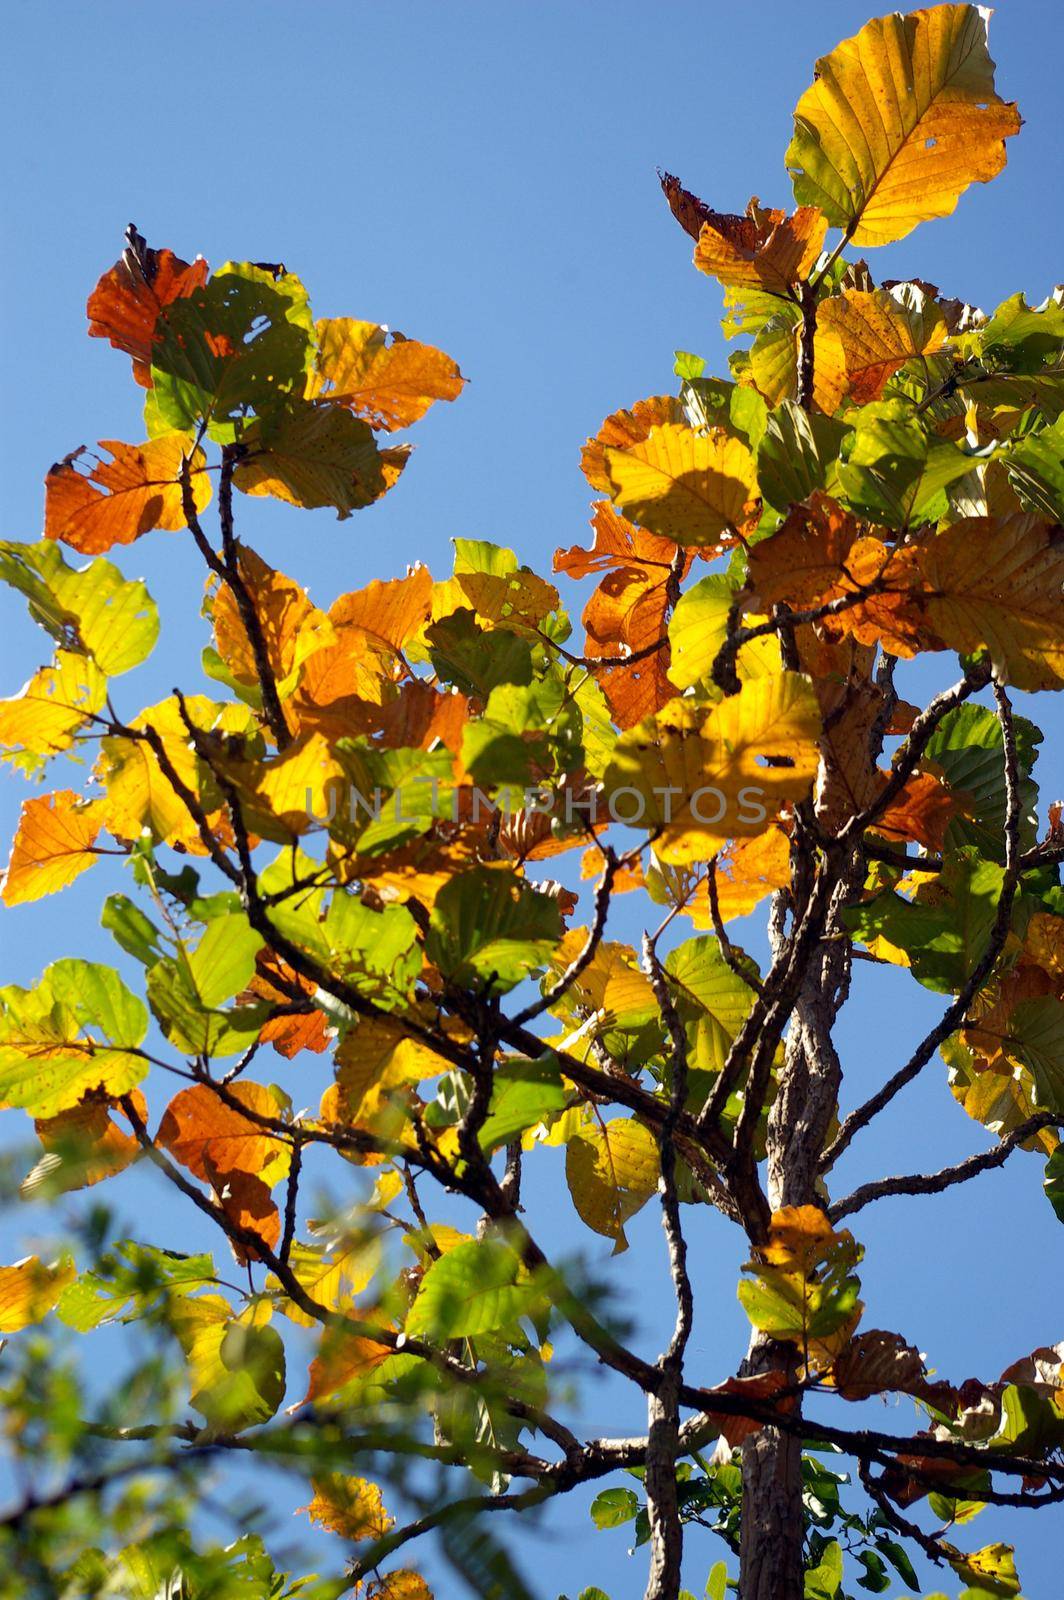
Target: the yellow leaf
(693, 488)
(52, 846)
(612, 1169)
(351, 1507)
(29, 1290)
(861, 341)
(47, 714)
(290, 793)
(402, 1585)
(898, 121)
(389, 380)
(622, 429)
(376, 1065)
(698, 773)
(140, 795)
(116, 501)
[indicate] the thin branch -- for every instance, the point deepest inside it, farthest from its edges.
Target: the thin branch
(586, 955)
(727, 949)
(466, 1509)
(961, 1172)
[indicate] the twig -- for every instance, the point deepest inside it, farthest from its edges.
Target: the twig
(586, 955)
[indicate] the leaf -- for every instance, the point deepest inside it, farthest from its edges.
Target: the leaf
(996, 584)
(29, 1290)
(351, 1507)
(878, 1362)
(400, 1585)
(315, 455)
(701, 775)
(376, 1064)
(489, 927)
(895, 472)
(898, 121)
(291, 628)
(524, 1094)
(1054, 1181)
(474, 1289)
(125, 305)
(46, 716)
(991, 1570)
(211, 1137)
(236, 1365)
(764, 249)
(188, 992)
(140, 795)
(114, 502)
(611, 1508)
(78, 1030)
(823, 1581)
(747, 871)
(711, 998)
(83, 1146)
(797, 455)
(693, 488)
(863, 338)
(626, 613)
(242, 343)
(612, 1169)
(52, 846)
(381, 376)
(92, 609)
(623, 429)
(803, 1289)
(698, 630)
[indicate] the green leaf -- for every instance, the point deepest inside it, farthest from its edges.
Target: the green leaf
(876, 1577)
(91, 609)
(77, 1030)
(896, 472)
(1036, 1035)
(132, 930)
(717, 1582)
(473, 1289)
(944, 936)
(823, 1581)
(376, 951)
(490, 926)
(1036, 470)
(312, 455)
(525, 733)
(1054, 1181)
(188, 991)
(967, 746)
(713, 1001)
(613, 1507)
(524, 1094)
(474, 660)
(129, 1283)
(263, 328)
(798, 453)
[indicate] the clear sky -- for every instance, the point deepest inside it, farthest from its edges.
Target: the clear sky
(482, 176)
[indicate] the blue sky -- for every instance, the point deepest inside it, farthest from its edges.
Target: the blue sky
(482, 176)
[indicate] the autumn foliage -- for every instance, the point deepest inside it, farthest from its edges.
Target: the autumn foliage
(389, 836)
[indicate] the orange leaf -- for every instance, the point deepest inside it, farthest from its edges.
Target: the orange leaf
(246, 1201)
(341, 1358)
(53, 846)
(626, 613)
(765, 249)
(115, 501)
(125, 304)
(385, 378)
(210, 1137)
(292, 628)
(922, 812)
(89, 1132)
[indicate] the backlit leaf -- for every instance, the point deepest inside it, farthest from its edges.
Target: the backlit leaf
(696, 489)
(29, 1290)
(898, 122)
(95, 506)
(52, 847)
(389, 380)
(612, 1170)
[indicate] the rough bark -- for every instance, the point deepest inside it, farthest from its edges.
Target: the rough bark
(771, 1564)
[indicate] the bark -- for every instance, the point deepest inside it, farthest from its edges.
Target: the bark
(771, 1560)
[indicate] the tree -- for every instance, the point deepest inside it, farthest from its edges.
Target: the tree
(370, 806)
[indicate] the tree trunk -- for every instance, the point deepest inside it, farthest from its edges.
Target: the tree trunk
(771, 1564)
(772, 1535)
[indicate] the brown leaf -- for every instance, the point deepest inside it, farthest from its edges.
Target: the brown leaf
(210, 1137)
